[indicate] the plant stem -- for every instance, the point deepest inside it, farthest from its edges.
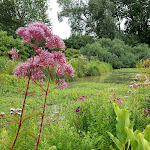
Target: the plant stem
(20, 123)
(26, 94)
(43, 113)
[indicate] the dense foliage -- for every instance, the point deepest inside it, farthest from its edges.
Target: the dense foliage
(78, 117)
(16, 13)
(78, 41)
(104, 18)
(116, 52)
(8, 42)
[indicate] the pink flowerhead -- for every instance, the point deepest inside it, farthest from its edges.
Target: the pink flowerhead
(61, 83)
(83, 95)
(114, 95)
(36, 30)
(145, 111)
(99, 94)
(81, 98)
(14, 53)
(120, 102)
(55, 42)
(118, 98)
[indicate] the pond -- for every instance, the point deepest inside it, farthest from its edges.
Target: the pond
(117, 76)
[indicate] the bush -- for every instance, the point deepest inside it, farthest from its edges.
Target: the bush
(8, 42)
(77, 41)
(72, 53)
(114, 52)
(84, 67)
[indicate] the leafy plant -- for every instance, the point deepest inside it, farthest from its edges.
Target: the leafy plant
(126, 138)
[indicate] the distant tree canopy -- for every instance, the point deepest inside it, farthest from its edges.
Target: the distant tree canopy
(103, 18)
(90, 17)
(17, 13)
(78, 41)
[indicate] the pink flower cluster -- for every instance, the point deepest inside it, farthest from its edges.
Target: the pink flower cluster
(40, 32)
(61, 83)
(42, 59)
(14, 53)
(82, 97)
(118, 99)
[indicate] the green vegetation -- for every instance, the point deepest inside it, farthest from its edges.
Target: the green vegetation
(116, 52)
(8, 42)
(77, 117)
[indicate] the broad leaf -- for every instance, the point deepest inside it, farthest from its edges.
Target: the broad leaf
(116, 141)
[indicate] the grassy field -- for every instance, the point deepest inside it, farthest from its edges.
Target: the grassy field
(71, 122)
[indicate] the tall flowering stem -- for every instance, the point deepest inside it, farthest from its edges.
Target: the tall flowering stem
(20, 123)
(42, 60)
(46, 93)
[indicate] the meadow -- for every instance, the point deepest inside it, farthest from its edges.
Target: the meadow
(78, 117)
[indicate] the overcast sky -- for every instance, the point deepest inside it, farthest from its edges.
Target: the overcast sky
(61, 29)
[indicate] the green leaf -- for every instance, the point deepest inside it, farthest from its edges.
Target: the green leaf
(14, 118)
(52, 148)
(31, 133)
(147, 133)
(5, 144)
(46, 137)
(131, 138)
(143, 143)
(123, 121)
(116, 141)
(30, 116)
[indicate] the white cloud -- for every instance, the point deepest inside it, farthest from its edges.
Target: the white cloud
(62, 29)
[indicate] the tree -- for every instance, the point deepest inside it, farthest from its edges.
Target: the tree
(78, 41)
(17, 13)
(90, 17)
(137, 16)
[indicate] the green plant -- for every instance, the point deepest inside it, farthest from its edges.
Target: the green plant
(126, 138)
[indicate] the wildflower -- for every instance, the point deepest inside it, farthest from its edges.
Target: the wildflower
(135, 86)
(126, 97)
(77, 110)
(2, 114)
(99, 95)
(118, 98)
(130, 86)
(139, 110)
(14, 53)
(114, 95)
(129, 91)
(83, 95)
(120, 102)
(145, 111)
(81, 98)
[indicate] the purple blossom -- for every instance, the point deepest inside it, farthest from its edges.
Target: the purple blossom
(145, 111)
(83, 95)
(81, 98)
(77, 110)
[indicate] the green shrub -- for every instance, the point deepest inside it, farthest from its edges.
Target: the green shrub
(114, 52)
(7, 66)
(72, 53)
(78, 41)
(8, 42)
(84, 67)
